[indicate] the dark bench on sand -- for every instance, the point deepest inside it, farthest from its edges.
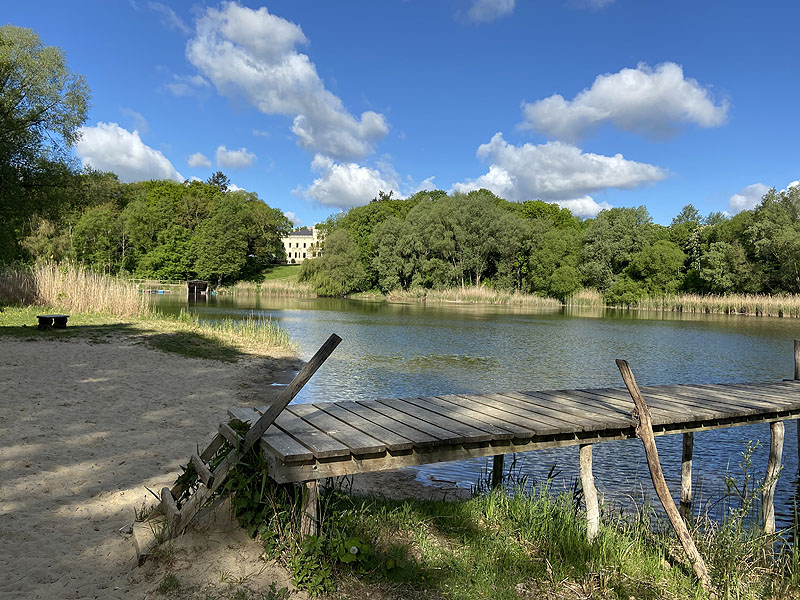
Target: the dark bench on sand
(52, 321)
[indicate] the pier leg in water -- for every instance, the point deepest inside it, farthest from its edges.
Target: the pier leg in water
(497, 471)
(797, 376)
(589, 493)
(771, 478)
(686, 475)
(645, 432)
(309, 521)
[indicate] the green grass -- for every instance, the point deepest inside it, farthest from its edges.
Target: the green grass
(282, 272)
(225, 340)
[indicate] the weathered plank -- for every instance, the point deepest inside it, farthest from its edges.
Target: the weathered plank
(573, 406)
(320, 444)
(403, 418)
(462, 415)
(357, 441)
(418, 438)
(490, 415)
(460, 431)
(546, 406)
(390, 439)
(509, 414)
(275, 440)
(562, 423)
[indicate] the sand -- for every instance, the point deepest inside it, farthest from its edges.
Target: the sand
(86, 427)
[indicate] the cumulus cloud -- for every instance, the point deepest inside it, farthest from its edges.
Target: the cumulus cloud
(139, 122)
(109, 147)
(232, 187)
(556, 172)
(484, 11)
(234, 159)
(345, 185)
(198, 159)
(747, 198)
(652, 102)
(252, 54)
(292, 217)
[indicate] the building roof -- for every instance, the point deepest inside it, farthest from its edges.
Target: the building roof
(303, 232)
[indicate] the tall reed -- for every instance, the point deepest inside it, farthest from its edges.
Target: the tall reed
(273, 287)
(475, 294)
(72, 288)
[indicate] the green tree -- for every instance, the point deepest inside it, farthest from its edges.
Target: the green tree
(42, 106)
(338, 271)
(658, 267)
(222, 241)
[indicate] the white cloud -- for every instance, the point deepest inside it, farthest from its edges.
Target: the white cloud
(185, 85)
(234, 159)
(252, 54)
(109, 147)
(261, 133)
(195, 178)
(169, 17)
(653, 102)
(426, 184)
(292, 217)
(747, 198)
(345, 185)
(232, 187)
(483, 11)
(198, 159)
(584, 207)
(555, 172)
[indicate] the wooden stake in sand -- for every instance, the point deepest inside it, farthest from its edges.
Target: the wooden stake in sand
(589, 493)
(645, 432)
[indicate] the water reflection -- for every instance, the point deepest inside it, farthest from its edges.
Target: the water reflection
(416, 349)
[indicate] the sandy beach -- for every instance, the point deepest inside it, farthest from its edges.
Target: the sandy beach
(86, 427)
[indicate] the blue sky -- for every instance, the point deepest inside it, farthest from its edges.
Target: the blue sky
(315, 106)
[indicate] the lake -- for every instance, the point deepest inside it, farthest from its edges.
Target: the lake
(415, 349)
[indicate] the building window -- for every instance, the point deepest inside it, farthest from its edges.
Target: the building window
(304, 254)
(304, 244)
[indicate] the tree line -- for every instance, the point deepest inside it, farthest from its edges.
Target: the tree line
(437, 240)
(52, 210)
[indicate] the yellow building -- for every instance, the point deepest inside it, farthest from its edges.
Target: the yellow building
(301, 244)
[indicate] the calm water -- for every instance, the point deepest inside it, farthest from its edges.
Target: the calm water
(395, 350)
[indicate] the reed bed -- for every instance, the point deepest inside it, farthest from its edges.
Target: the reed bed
(71, 288)
(288, 287)
(475, 295)
(731, 304)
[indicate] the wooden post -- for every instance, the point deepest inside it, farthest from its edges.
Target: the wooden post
(645, 432)
(771, 479)
(589, 493)
(797, 376)
(309, 520)
(686, 475)
(497, 471)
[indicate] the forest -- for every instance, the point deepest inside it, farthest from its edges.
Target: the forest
(437, 240)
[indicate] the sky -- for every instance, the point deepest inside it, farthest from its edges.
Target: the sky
(317, 106)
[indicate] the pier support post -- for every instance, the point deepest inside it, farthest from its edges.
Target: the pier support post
(589, 492)
(309, 521)
(797, 376)
(497, 471)
(686, 475)
(771, 478)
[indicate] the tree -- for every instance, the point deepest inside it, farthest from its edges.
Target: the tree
(42, 106)
(220, 181)
(338, 271)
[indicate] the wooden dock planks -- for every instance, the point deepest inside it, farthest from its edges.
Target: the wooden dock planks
(378, 434)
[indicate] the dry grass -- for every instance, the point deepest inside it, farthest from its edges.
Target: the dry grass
(474, 295)
(732, 304)
(71, 288)
(586, 297)
(275, 287)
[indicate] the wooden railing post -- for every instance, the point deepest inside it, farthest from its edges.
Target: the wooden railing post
(589, 492)
(686, 475)
(776, 430)
(645, 432)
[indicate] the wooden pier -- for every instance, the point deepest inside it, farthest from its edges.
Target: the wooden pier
(308, 442)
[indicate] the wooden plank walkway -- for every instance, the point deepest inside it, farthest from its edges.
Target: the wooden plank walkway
(313, 441)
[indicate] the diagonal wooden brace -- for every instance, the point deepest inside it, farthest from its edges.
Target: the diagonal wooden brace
(214, 480)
